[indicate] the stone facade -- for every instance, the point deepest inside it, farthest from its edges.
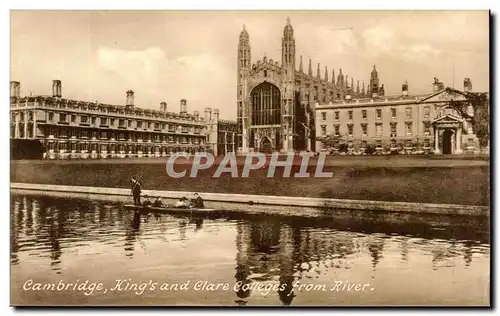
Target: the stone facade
(439, 123)
(275, 101)
(80, 129)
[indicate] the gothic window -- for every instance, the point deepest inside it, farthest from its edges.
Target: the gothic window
(266, 104)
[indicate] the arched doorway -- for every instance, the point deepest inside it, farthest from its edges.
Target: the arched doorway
(447, 142)
(265, 145)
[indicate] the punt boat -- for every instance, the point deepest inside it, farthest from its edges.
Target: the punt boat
(166, 209)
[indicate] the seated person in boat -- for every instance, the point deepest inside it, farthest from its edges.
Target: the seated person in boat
(147, 202)
(184, 202)
(197, 202)
(158, 202)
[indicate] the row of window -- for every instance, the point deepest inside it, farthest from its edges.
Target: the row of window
(378, 143)
(30, 130)
(123, 136)
(378, 113)
(226, 138)
(21, 116)
(137, 112)
(408, 143)
(111, 147)
(378, 129)
(122, 123)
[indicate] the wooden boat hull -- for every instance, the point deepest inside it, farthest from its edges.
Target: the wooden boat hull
(168, 209)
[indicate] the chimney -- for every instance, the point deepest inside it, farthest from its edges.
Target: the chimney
(216, 115)
(381, 91)
(404, 89)
(437, 85)
(163, 107)
(130, 99)
(197, 115)
(59, 88)
(15, 87)
(56, 88)
(183, 106)
(467, 85)
(208, 114)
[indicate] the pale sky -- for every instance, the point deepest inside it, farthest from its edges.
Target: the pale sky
(170, 55)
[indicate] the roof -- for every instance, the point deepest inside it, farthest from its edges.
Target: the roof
(397, 100)
(136, 110)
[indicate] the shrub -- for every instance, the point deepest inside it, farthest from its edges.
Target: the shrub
(370, 149)
(343, 148)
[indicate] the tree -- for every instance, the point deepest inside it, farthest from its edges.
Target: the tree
(481, 119)
(329, 141)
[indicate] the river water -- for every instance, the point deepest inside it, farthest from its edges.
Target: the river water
(96, 253)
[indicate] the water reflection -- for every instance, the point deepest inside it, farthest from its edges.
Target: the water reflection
(267, 250)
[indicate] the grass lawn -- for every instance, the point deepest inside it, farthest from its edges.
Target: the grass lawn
(408, 178)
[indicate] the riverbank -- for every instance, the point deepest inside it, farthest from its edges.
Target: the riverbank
(389, 179)
(306, 206)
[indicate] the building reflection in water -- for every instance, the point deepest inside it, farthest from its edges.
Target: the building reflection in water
(376, 248)
(131, 232)
(272, 251)
(242, 266)
(269, 250)
(182, 229)
(286, 265)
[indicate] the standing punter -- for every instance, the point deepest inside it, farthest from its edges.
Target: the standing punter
(136, 191)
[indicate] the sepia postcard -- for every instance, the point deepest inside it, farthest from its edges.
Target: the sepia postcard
(250, 158)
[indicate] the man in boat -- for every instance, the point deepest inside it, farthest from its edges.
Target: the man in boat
(147, 202)
(184, 202)
(158, 202)
(197, 202)
(136, 191)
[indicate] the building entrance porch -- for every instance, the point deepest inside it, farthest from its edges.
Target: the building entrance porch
(447, 136)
